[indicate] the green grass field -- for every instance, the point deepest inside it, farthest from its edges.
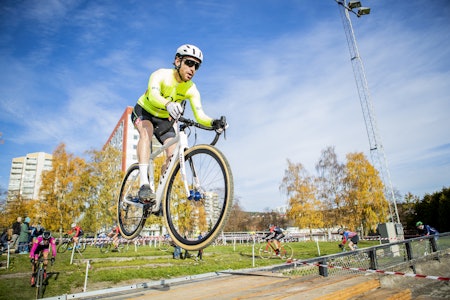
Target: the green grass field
(146, 264)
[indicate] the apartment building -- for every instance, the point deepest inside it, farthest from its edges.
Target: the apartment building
(26, 172)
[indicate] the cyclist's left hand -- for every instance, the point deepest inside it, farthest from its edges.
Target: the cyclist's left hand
(52, 260)
(341, 246)
(219, 125)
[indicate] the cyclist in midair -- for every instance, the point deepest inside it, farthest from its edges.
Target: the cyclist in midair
(42, 244)
(160, 103)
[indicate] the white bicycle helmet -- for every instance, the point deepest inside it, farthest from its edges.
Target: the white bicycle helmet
(190, 50)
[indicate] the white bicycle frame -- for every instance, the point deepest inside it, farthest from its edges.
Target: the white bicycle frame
(182, 140)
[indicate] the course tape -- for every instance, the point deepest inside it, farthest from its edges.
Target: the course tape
(440, 278)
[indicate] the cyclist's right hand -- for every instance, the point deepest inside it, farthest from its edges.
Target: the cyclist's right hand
(52, 260)
(32, 260)
(174, 109)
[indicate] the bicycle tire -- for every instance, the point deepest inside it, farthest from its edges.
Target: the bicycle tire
(164, 246)
(286, 252)
(105, 247)
(40, 283)
(81, 247)
(63, 247)
(210, 206)
(131, 218)
(265, 251)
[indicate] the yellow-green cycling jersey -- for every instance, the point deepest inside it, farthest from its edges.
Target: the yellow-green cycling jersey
(163, 87)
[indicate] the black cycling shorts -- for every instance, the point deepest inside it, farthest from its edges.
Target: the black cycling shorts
(159, 124)
(355, 239)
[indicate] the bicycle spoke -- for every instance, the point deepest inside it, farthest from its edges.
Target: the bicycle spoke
(205, 211)
(130, 214)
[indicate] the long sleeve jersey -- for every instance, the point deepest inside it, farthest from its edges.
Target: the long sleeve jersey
(163, 87)
(42, 245)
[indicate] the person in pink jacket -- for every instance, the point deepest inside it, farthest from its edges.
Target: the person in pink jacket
(42, 244)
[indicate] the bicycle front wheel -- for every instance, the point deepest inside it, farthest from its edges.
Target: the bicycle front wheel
(131, 215)
(194, 221)
(286, 252)
(40, 284)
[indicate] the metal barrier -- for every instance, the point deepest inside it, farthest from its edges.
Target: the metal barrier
(382, 257)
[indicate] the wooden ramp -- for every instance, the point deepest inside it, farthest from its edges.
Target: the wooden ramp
(272, 286)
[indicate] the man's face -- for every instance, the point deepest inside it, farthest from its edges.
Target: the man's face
(188, 67)
(420, 227)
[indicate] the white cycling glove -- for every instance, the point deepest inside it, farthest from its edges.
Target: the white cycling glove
(174, 109)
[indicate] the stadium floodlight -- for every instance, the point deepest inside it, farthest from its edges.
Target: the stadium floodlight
(354, 4)
(363, 11)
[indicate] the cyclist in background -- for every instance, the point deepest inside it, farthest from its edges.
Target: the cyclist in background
(275, 234)
(348, 236)
(42, 244)
(75, 233)
(114, 234)
(160, 103)
(425, 230)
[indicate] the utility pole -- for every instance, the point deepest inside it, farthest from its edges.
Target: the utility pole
(376, 148)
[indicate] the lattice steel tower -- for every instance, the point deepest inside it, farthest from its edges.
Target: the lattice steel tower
(376, 148)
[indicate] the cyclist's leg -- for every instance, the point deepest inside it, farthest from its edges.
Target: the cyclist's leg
(45, 256)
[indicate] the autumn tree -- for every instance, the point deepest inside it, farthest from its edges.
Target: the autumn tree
(365, 202)
(330, 188)
(238, 220)
(304, 208)
(99, 185)
(60, 202)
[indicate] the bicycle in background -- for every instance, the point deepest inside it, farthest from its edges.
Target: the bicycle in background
(195, 192)
(269, 250)
(68, 244)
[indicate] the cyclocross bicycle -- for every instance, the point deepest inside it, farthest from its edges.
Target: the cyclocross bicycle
(68, 244)
(108, 246)
(40, 280)
(194, 194)
(269, 250)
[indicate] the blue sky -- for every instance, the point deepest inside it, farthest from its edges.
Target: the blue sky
(279, 70)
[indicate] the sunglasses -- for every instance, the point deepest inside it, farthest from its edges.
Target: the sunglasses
(191, 63)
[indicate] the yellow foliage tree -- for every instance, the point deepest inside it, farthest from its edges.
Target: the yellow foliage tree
(60, 205)
(304, 208)
(99, 186)
(365, 202)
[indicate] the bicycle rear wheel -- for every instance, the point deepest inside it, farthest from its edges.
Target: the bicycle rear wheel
(131, 214)
(265, 251)
(105, 247)
(194, 221)
(62, 247)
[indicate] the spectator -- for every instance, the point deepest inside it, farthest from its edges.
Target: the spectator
(200, 252)
(5, 238)
(16, 232)
(24, 236)
(35, 231)
(425, 230)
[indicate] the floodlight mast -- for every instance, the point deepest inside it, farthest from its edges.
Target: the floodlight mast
(376, 148)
